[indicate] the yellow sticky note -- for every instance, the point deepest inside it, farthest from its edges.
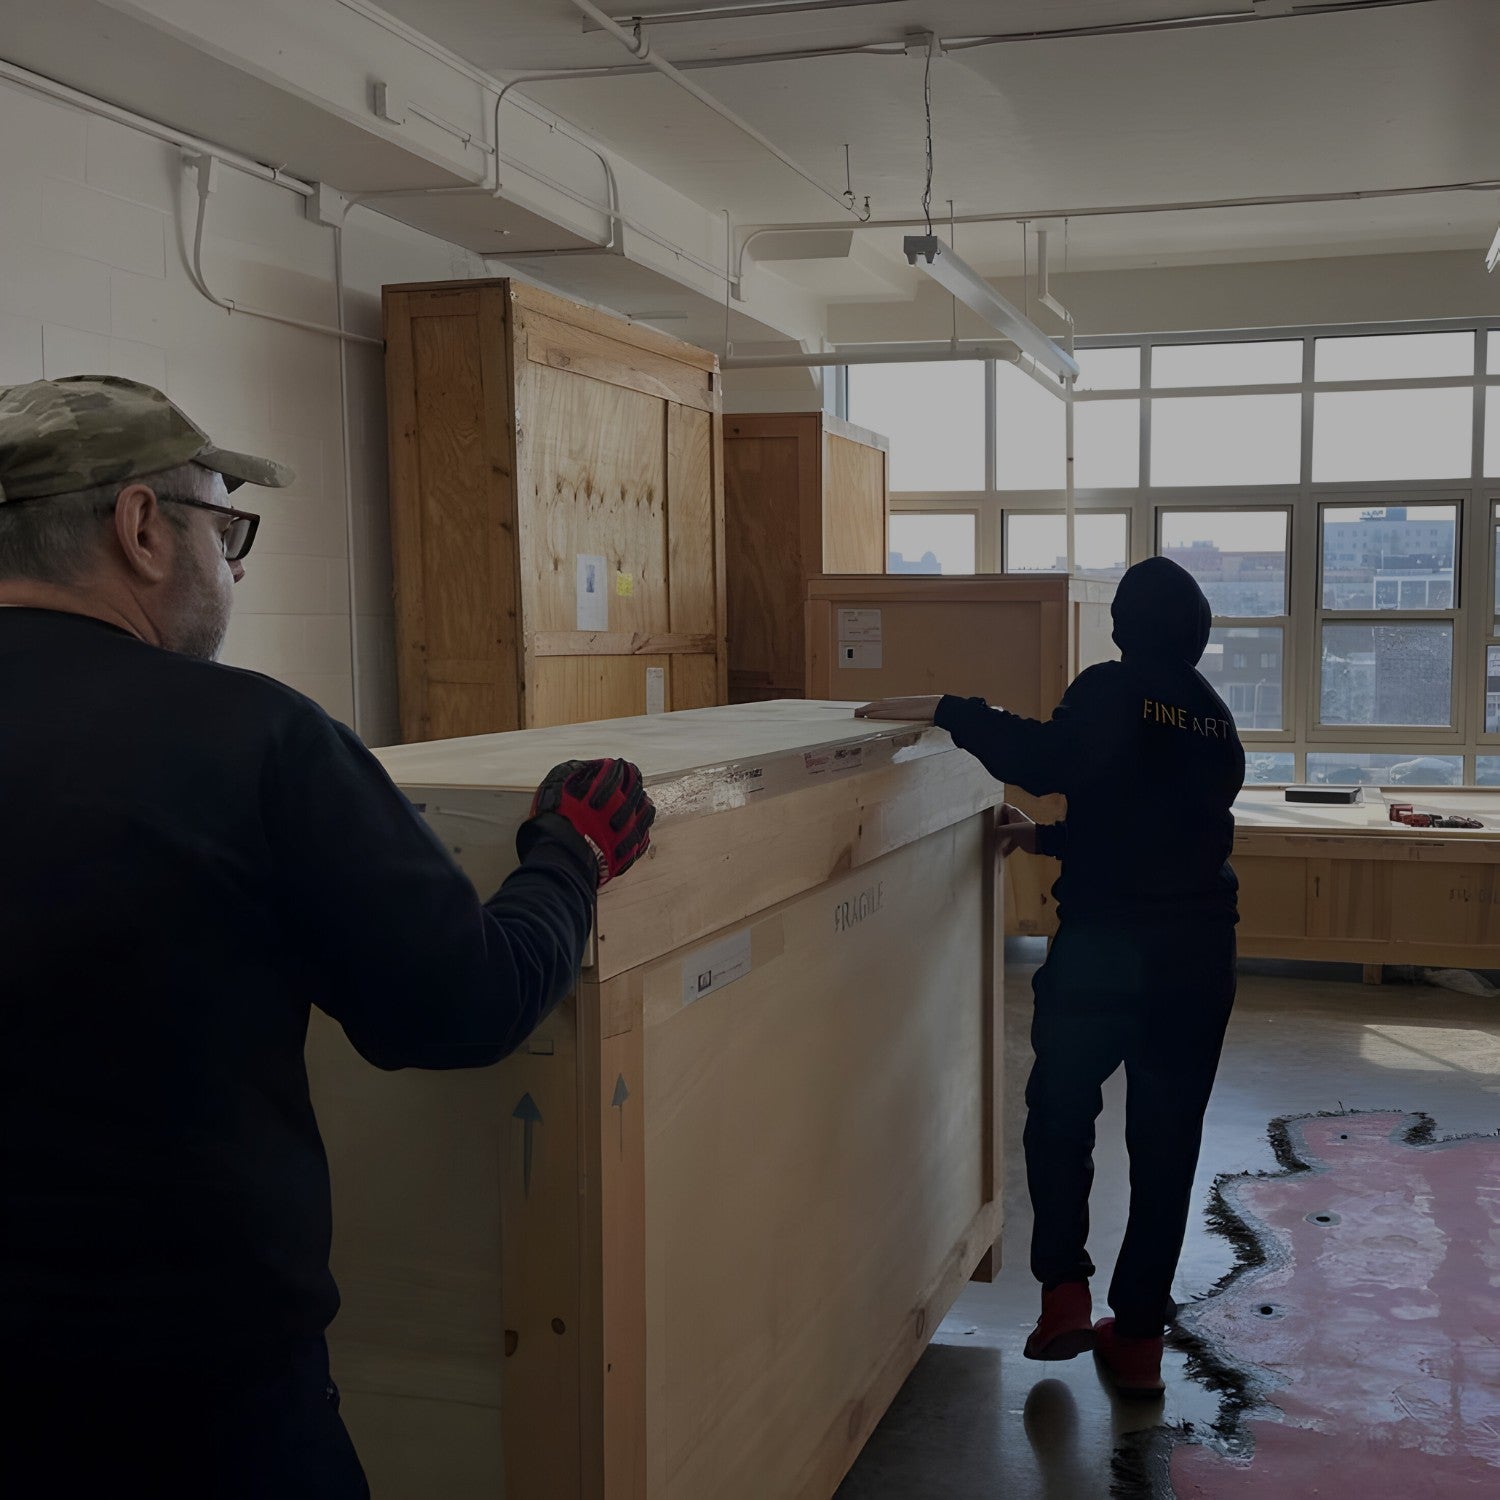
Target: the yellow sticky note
(625, 585)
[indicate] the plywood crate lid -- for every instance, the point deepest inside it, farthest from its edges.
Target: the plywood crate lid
(756, 803)
(684, 757)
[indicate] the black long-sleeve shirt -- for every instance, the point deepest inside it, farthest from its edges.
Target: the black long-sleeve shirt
(193, 856)
(1150, 762)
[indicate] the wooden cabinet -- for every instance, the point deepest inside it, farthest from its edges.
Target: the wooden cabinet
(1347, 885)
(690, 1240)
(556, 512)
(804, 493)
(1017, 640)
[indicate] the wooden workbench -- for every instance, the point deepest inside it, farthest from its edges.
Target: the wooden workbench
(691, 1239)
(1347, 884)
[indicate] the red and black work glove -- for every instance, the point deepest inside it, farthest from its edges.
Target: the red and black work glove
(606, 802)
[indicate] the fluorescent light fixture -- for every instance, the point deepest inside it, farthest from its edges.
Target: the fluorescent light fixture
(960, 278)
(1493, 258)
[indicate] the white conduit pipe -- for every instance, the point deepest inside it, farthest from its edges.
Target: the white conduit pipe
(206, 185)
(642, 51)
(612, 210)
(37, 83)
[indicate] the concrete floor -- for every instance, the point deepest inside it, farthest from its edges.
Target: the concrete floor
(976, 1419)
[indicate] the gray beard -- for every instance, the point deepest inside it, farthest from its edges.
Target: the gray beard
(204, 616)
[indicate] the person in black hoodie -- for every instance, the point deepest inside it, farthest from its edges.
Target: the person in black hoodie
(1142, 970)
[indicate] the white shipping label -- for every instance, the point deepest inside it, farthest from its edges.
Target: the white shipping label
(593, 594)
(710, 969)
(834, 762)
(859, 625)
(861, 655)
(656, 690)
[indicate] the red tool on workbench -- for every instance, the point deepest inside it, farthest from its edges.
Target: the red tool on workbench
(1404, 812)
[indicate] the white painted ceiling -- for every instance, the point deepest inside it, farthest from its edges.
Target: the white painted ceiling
(1374, 98)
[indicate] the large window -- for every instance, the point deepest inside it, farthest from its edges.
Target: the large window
(1387, 615)
(1335, 491)
(933, 415)
(1240, 559)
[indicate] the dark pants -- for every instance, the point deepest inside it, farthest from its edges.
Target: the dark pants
(1156, 999)
(92, 1430)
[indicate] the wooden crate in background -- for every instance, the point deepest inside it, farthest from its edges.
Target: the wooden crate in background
(687, 1243)
(527, 435)
(1016, 640)
(805, 493)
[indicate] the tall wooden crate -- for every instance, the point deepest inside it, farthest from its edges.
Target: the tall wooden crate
(556, 512)
(689, 1241)
(1017, 640)
(805, 493)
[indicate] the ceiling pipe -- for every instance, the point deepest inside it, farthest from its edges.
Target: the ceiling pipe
(1096, 211)
(900, 354)
(38, 83)
(640, 49)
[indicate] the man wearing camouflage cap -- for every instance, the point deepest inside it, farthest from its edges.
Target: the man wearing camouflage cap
(193, 856)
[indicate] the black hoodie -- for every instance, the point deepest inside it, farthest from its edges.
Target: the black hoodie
(1145, 752)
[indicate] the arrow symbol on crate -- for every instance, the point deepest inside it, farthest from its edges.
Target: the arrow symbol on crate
(618, 1102)
(530, 1117)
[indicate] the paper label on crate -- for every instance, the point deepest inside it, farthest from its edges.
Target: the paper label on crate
(861, 656)
(625, 585)
(834, 762)
(710, 969)
(656, 690)
(859, 625)
(593, 600)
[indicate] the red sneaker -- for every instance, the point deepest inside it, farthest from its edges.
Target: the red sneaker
(1065, 1326)
(1134, 1365)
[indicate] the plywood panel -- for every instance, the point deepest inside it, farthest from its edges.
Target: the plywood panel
(993, 653)
(573, 689)
(854, 507)
(594, 469)
(693, 682)
(849, 1189)
(1457, 904)
(691, 532)
(1273, 897)
(763, 480)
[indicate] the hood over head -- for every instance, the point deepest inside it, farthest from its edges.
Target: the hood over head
(1159, 610)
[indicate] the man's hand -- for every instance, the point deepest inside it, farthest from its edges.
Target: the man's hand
(606, 802)
(1015, 831)
(902, 710)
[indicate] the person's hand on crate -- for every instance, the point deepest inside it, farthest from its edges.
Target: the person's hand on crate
(902, 710)
(606, 804)
(1014, 831)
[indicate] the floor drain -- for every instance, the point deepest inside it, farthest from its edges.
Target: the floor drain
(1270, 1310)
(1323, 1218)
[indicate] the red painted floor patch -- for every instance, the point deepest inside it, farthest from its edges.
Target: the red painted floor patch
(1361, 1337)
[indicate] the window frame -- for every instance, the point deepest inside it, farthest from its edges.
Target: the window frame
(1243, 622)
(1476, 610)
(1417, 735)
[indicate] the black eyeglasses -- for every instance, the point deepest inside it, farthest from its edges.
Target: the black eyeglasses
(238, 536)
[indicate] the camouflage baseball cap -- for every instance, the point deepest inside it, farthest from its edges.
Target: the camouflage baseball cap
(58, 436)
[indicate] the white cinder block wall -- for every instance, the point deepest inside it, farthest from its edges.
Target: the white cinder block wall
(93, 280)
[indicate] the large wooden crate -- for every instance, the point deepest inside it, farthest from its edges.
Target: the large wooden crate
(688, 1242)
(1017, 640)
(556, 512)
(1346, 884)
(804, 494)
